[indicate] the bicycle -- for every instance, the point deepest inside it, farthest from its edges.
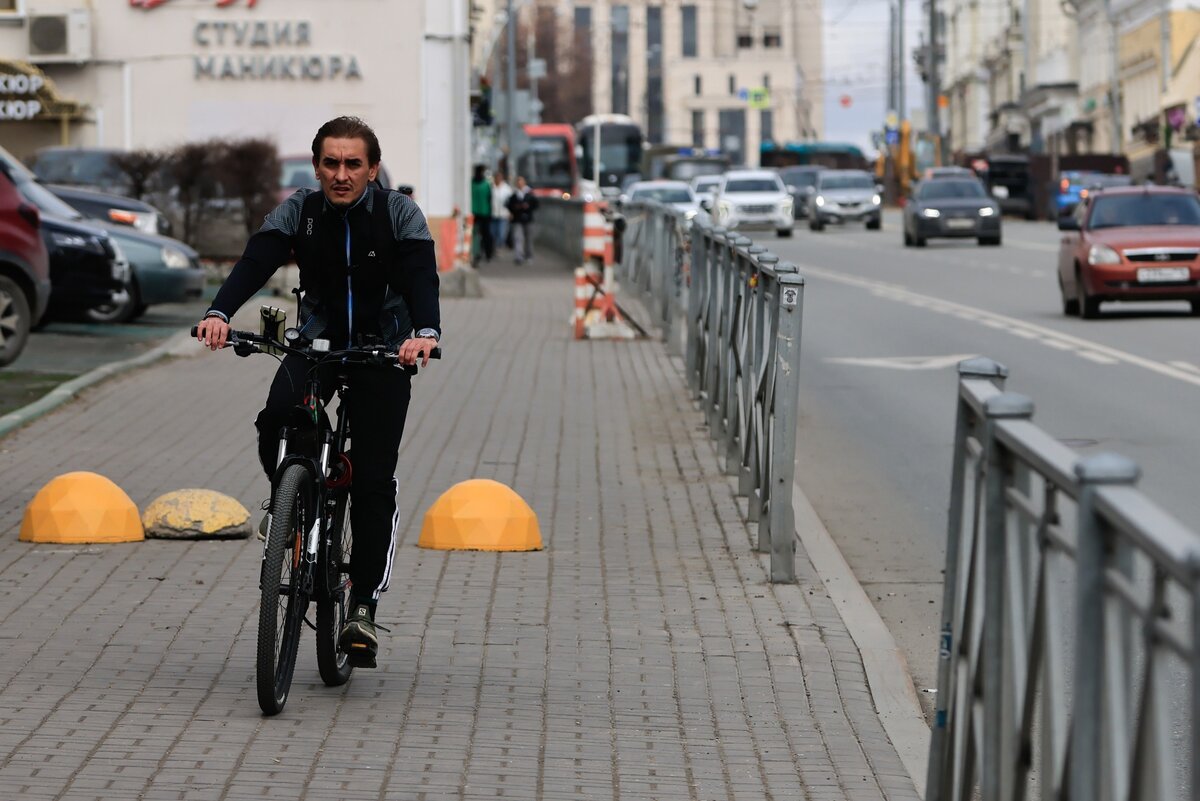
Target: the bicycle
(306, 556)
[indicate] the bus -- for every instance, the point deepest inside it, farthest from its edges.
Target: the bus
(834, 155)
(549, 164)
(681, 162)
(620, 152)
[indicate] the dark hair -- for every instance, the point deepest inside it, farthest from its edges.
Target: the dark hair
(479, 173)
(348, 128)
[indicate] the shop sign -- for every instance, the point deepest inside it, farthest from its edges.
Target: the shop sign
(20, 108)
(260, 36)
(148, 4)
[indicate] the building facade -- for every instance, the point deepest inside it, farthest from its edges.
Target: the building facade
(690, 72)
(156, 73)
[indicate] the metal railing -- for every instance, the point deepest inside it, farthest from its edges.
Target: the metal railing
(1069, 624)
(733, 311)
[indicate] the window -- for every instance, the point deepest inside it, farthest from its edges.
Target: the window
(766, 80)
(772, 39)
(654, 75)
(745, 40)
(767, 123)
(620, 59)
(10, 6)
(732, 85)
(697, 128)
(689, 32)
(698, 85)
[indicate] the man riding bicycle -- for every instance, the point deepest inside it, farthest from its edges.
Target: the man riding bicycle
(367, 269)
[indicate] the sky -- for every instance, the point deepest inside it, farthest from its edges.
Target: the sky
(856, 40)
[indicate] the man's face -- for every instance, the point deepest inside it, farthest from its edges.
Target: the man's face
(521, 184)
(342, 170)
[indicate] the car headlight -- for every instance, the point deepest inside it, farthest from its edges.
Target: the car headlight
(820, 201)
(90, 244)
(1103, 254)
(786, 205)
(876, 200)
(987, 212)
(175, 258)
(932, 214)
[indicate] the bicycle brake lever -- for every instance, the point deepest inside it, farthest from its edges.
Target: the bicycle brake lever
(244, 348)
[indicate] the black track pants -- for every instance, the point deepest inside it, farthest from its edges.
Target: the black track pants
(377, 405)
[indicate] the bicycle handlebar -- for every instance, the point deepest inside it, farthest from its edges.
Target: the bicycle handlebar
(256, 340)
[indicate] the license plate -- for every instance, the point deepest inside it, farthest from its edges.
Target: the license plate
(960, 223)
(1149, 275)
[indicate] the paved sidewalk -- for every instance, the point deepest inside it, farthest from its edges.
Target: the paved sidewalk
(641, 655)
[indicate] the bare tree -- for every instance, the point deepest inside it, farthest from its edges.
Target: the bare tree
(191, 167)
(248, 171)
(141, 168)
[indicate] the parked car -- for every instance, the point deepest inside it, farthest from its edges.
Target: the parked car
(752, 199)
(24, 270)
(704, 187)
(951, 208)
(676, 194)
(93, 167)
(800, 182)
(1075, 185)
(87, 267)
(114, 208)
(842, 196)
(1130, 244)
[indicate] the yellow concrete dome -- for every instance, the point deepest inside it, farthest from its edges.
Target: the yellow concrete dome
(481, 515)
(81, 507)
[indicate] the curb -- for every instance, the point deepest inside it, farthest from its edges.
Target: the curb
(68, 390)
(884, 663)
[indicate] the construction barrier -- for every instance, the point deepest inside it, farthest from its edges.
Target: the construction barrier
(445, 236)
(597, 313)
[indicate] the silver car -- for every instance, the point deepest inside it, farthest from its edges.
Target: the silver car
(842, 196)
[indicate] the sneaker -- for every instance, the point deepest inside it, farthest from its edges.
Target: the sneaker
(358, 638)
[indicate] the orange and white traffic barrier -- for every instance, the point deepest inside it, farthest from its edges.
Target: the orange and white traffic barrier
(583, 296)
(463, 250)
(597, 233)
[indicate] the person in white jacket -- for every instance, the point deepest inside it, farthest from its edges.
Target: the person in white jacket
(501, 216)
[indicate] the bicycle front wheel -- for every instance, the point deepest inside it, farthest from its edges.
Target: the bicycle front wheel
(284, 601)
(332, 661)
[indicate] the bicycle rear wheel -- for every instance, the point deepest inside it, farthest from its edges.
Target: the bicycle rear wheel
(333, 662)
(284, 601)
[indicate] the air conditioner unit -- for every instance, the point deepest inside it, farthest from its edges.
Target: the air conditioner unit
(57, 38)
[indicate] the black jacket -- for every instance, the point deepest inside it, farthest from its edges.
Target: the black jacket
(522, 205)
(389, 285)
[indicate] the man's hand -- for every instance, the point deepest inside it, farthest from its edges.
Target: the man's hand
(411, 349)
(213, 332)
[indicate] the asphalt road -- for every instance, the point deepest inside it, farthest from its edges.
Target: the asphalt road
(883, 329)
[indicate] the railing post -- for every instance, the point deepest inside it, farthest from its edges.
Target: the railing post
(712, 369)
(697, 296)
(936, 774)
(737, 319)
(790, 304)
(1006, 406)
(1092, 548)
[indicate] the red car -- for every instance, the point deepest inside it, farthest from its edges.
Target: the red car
(24, 271)
(1130, 244)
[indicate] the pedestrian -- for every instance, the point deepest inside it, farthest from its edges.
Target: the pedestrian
(501, 192)
(334, 235)
(522, 205)
(481, 209)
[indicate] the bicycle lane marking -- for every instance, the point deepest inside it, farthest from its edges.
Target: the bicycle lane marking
(1091, 351)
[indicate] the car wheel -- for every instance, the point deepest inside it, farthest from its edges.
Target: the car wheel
(15, 320)
(815, 224)
(140, 310)
(1089, 307)
(121, 312)
(1196, 308)
(919, 241)
(874, 225)
(1070, 306)
(784, 233)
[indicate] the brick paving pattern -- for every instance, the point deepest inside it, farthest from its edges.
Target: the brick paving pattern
(641, 655)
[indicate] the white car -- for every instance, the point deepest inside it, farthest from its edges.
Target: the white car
(753, 199)
(676, 194)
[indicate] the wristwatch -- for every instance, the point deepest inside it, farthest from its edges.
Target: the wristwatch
(429, 333)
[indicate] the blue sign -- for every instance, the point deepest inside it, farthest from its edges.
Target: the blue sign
(743, 94)
(891, 136)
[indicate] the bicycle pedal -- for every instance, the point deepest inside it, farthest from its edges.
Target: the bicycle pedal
(360, 655)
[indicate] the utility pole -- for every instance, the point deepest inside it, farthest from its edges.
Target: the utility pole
(891, 59)
(1114, 86)
(935, 87)
(511, 121)
(903, 63)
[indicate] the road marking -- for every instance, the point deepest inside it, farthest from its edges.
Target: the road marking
(1046, 336)
(905, 362)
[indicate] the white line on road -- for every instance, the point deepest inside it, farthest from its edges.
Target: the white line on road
(1191, 368)
(1047, 336)
(905, 362)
